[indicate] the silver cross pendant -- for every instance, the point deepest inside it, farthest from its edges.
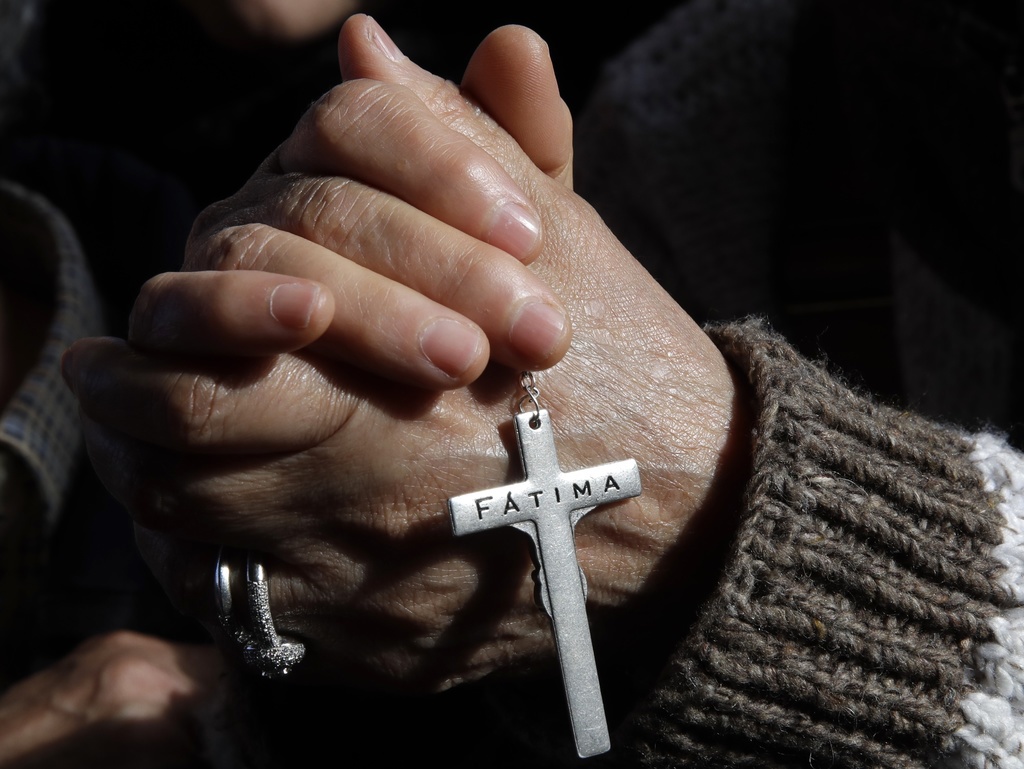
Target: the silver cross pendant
(546, 506)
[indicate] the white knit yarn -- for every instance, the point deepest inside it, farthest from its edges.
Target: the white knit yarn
(993, 737)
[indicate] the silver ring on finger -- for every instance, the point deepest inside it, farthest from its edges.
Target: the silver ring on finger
(263, 650)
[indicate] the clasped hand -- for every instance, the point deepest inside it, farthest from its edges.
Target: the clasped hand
(340, 356)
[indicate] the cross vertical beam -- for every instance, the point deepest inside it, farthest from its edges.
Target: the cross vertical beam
(546, 505)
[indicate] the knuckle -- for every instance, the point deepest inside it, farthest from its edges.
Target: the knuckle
(328, 210)
(346, 112)
(468, 275)
(130, 678)
(208, 220)
(204, 247)
(459, 162)
(468, 173)
(195, 409)
(240, 247)
(358, 113)
(206, 224)
(115, 670)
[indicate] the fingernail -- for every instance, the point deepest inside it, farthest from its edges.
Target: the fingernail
(384, 42)
(537, 330)
(67, 368)
(292, 304)
(451, 346)
(516, 230)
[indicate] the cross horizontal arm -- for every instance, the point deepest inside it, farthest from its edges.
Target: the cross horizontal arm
(490, 508)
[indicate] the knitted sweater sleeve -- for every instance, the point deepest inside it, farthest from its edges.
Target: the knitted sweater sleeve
(866, 616)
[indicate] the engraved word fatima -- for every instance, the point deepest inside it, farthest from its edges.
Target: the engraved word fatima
(547, 506)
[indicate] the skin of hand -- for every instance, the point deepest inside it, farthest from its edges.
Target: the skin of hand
(339, 476)
(119, 700)
(435, 233)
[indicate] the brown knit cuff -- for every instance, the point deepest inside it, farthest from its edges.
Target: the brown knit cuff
(858, 582)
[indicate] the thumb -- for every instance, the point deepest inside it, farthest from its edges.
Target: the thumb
(511, 76)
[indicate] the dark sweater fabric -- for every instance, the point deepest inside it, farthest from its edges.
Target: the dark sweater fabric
(858, 582)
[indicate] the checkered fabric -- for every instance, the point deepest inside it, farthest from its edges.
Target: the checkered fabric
(39, 432)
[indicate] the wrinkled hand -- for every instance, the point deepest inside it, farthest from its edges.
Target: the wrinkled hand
(339, 475)
(121, 700)
(433, 232)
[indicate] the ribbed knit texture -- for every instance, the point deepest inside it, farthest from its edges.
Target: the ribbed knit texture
(860, 581)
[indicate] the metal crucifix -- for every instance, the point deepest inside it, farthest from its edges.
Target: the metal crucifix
(546, 506)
